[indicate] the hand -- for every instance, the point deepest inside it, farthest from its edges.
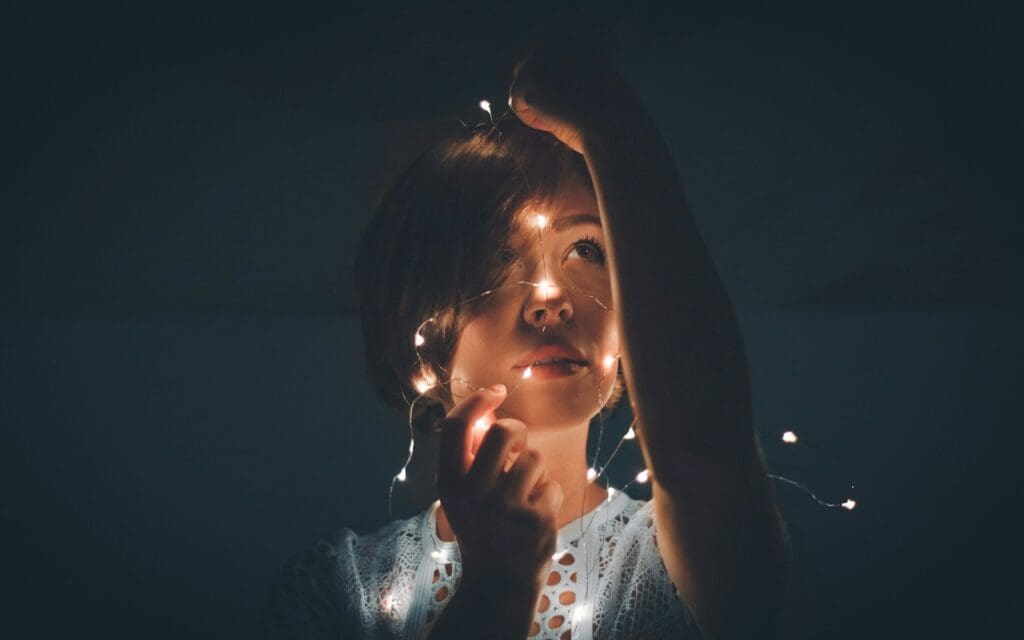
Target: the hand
(503, 513)
(567, 89)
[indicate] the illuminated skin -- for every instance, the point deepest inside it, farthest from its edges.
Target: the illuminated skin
(718, 529)
(555, 407)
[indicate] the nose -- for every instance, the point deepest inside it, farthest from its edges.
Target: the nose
(547, 304)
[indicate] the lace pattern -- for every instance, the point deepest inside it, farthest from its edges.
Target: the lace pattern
(608, 582)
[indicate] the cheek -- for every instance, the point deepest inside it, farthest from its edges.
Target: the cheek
(473, 350)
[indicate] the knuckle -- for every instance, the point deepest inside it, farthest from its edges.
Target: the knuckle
(534, 457)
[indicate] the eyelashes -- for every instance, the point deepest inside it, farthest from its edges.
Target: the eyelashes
(595, 245)
(594, 252)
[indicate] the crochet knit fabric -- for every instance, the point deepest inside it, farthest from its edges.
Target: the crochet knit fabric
(608, 582)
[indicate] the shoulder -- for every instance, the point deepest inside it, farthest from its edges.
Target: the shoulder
(321, 592)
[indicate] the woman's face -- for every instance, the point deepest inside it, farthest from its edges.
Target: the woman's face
(565, 332)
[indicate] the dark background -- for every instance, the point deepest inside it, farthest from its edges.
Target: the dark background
(183, 405)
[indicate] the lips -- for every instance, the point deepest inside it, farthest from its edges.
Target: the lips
(557, 353)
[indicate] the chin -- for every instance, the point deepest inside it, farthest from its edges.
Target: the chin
(555, 412)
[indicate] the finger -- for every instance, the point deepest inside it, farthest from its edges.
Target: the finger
(524, 476)
(520, 93)
(547, 497)
(504, 437)
(454, 457)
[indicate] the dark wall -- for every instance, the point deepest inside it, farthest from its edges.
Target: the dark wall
(183, 405)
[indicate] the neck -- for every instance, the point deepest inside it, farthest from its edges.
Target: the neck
(565, 456)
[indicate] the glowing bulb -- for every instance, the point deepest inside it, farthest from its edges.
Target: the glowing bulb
(425, 382)
(440, 556)
(591, 473)
(849, 504)
(580, 613)
(611, 493)
(527, 372)
(643, 476)
(558, 556)
(401, 475)
(789, 437)
(540, 221)
(629, 434)
(419, 340)
(486, 106)
(482, 423)
(609, 361)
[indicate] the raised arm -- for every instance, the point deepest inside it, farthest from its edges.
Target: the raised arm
(719, 532)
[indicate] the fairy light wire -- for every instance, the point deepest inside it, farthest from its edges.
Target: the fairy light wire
(428, 381)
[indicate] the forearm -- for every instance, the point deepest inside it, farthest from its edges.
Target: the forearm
(726, 553)
(688, 379)
(487, 609)
(684, 359)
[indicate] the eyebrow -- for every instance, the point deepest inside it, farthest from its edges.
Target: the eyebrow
(571, 221)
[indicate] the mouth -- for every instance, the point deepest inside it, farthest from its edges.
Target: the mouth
(551, 368)
(554, 355)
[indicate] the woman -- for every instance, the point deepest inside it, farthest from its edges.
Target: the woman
(538, 261)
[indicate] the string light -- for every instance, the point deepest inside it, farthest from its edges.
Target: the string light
(440, 556)
(426, 381)
(580, 613)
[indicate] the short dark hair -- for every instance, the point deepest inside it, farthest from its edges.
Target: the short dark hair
(434, 242)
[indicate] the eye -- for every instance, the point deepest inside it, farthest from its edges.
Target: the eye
(507, 256)
(589, 249)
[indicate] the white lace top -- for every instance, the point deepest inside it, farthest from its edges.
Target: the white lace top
(608, 582)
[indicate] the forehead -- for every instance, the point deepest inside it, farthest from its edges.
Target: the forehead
(575, 206)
